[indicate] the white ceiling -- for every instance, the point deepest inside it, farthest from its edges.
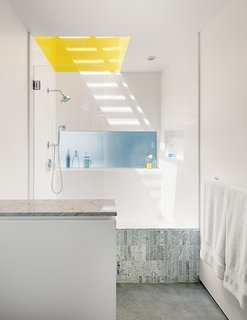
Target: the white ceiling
(156, 27)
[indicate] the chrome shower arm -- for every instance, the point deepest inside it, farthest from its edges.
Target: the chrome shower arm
(55, 90)
(65, 98)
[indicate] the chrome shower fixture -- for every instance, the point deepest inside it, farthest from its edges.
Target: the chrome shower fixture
(60, 128)
(55, 163)
(64, 99)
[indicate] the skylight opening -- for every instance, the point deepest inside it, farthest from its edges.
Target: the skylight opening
(82, 49)
(91, 61)
(74, 37)
(89, 54)
(111, 49)
(114, 60)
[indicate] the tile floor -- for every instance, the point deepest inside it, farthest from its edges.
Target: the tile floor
(166, 302)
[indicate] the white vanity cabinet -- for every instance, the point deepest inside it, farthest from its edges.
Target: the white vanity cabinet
(59, 267)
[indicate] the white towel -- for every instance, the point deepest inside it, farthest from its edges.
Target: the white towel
(235, 279)
(213, 226)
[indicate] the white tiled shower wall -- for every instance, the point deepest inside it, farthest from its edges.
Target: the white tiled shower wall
(13, 110)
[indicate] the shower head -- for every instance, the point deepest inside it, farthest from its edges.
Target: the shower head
(64, 99)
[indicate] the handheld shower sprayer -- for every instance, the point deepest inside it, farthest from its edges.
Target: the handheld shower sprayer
(56, 162)
(64, 99)
(60, 128)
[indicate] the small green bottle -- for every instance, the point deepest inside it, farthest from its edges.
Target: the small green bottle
(68, 159)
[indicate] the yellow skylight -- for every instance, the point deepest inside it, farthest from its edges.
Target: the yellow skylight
(84, 54)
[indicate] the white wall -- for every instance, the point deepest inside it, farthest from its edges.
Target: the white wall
(16, 168)
(42, 122)
(224, 96)
(167, 197)
(223, 117)
(58, 269)
(179, 126)
(83, 112)
(13, 105)
(137, 192)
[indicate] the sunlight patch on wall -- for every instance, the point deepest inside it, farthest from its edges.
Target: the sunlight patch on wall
(118, 106)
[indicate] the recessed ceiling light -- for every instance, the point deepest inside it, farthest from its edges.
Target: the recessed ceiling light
(151, 58)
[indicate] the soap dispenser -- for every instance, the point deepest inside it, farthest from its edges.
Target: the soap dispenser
(87, 160)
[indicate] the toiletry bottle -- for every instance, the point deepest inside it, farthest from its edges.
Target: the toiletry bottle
(87, 160)
(68, 159)
(149, 161)
(154, 163)
(76, 160)
(171, 151)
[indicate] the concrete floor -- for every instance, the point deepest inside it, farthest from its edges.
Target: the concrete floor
(166, 302)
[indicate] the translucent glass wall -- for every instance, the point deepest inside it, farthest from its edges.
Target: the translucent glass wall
(109, 149)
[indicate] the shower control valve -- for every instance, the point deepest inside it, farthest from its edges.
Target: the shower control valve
(48, 165)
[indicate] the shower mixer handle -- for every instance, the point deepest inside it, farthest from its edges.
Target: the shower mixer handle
(50, 145)
(48, 165)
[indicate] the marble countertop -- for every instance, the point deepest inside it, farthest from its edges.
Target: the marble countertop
(57, 208)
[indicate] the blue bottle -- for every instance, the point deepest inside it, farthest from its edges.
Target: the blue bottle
(68, 159)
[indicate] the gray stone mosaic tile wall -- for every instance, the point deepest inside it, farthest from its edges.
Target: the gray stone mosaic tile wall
(157, 255)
